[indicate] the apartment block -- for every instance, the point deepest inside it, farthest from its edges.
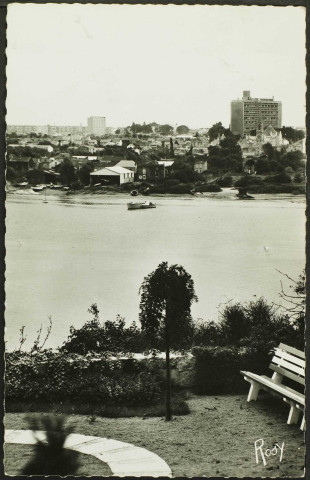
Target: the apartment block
(96, 125)
(250, 114)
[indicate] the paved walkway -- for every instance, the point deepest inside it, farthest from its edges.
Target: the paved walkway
(124, 459)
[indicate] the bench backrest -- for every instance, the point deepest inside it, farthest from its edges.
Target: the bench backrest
(289, 362)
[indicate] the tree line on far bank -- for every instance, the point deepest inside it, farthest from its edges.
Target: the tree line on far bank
(223, 159)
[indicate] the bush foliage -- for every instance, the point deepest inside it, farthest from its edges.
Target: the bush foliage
(243, 339)
(59, 377)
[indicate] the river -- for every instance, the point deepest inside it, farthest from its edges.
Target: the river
(76, 250)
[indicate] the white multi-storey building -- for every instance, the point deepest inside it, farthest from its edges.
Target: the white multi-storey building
(96, 125)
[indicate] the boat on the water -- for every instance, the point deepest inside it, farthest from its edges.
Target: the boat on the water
(38, 188)
(140, 205)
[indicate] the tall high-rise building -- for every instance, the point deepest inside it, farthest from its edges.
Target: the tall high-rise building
(250, 114)
(96, 125)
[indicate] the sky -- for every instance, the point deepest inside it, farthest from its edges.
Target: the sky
(176, 64)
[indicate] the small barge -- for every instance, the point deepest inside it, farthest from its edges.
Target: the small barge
(140, 205)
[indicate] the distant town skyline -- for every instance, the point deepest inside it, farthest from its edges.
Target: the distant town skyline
(144, 63)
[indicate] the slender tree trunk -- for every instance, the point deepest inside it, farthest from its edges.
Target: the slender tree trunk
(168, 383)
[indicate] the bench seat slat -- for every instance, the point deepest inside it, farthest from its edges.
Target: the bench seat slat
(289, 366)
(289, 357)
(292, 350)
(288, 374)
(281, 389)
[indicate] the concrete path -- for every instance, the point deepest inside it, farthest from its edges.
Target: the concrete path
(124, 459)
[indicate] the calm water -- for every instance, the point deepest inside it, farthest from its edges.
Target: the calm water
(74, 251)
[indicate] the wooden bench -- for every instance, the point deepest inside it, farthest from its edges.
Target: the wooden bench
(287, 362)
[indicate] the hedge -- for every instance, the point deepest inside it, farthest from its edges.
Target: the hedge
(59, 377)
(217, 369)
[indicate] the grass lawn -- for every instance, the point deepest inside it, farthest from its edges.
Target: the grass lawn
(17, 456)
(215, 439)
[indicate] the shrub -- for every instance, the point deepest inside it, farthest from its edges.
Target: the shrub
(60, 377)
(280, 178)
(217, 370)
(159, 189)
(77, 185)
(113, 337)
(248, 180)
(51, 458)
(255, 323)
(224, 181)
(172, 181)
(298, 178)
(11, 174)
(207, 333)
(233, 323)
(243, 181)
(211, 187)
(181, 188)
(274, 188)
(127, 186)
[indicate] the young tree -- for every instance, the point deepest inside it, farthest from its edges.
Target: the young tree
(171, 148)
(165, 312)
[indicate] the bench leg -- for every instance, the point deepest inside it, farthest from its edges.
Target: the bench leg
(303, 423)
(277, 378)
(253, 392)
(293, 415)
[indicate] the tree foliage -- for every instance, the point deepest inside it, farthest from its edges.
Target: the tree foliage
(227, 156)
(108, 337)
(216, 130)
(182, 129)
(67, 172)
(165, 129)
(166, 298)
(292, 134)
(84, 173)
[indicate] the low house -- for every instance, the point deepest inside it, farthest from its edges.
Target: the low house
(22, 164)
(129, 164)
(47, 148)
(112, 175)
(80, 160)
(47, 163)
(150, 172)
(168, 164)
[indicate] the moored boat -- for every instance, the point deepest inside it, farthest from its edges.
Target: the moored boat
(38, 188)
(23, 185)
(140, 205)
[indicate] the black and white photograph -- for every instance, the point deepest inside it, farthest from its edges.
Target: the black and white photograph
(155, 283)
